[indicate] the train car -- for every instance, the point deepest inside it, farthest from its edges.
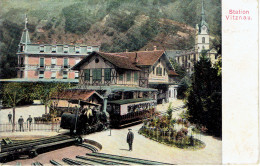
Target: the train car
(128, 111)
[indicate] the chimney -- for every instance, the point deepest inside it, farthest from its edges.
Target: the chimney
(126, 50)
(154, 48)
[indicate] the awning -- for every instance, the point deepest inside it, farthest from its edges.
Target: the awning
(127, 101)
(117, 88)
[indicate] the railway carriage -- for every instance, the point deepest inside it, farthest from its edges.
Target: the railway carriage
(129, 111)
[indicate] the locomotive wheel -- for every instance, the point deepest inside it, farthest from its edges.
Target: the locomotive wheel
(33, 154)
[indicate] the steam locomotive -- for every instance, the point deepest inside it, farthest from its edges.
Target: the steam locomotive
(85, 122)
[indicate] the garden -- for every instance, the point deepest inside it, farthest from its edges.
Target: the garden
(165, 129)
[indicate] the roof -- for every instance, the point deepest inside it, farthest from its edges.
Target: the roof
(126, 60)
(128, 101)
(116, 88)
(172, 73)
(39, 80)
(172, 53)
(144, 58)
(71, 94)
(58, 49)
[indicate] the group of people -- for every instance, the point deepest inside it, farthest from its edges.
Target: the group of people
(21, 121)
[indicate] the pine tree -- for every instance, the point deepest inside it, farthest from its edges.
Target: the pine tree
(204, 96)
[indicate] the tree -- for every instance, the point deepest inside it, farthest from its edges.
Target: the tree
(14, 93)
(204, 96)
(44, 92)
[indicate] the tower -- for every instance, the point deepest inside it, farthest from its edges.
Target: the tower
(25, 39)
(202, 33)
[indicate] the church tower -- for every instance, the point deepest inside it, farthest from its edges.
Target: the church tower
(202, 33)
(25, 39)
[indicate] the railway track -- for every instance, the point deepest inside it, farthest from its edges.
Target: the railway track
(30, 147)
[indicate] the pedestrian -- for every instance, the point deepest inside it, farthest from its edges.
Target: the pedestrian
(130, 139)
(10, 117)
(20, 122)
(29, 119)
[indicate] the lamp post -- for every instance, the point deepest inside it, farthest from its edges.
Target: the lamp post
(75, 129)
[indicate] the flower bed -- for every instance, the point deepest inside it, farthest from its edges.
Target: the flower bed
(178, 133)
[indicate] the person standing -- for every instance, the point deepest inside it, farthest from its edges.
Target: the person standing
(29, 119)
(20, 122)
(130, 139)
(10, 117)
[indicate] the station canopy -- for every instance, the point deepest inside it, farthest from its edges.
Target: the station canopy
(117, 88)
(128, 101)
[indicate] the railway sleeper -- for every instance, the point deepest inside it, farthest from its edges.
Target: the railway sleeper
(101, 161)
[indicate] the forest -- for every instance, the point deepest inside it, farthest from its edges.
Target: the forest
(115, 25)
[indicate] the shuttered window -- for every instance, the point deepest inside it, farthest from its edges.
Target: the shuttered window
(121, 76)
(97, 73)
(41, 62)
(136, 77)
(128, 76)
(65, 74)
(158, 71)
(107, 74)
(87, 74)
(41, 74)
(65, 62)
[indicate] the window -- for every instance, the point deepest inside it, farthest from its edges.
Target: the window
(87, 74)
(21, 48)
(65, 74)
(66, 49)
(136, 76)
(159, 71)
(128, 76)
(89, 49)
(42, 48)
(97, 74)
(66, 63)
(121, 76)
(22, 62)
(53, 75)
(76, 74)
(41, 74)
(203, 48)
(194, 57)
(53, 48)
(53, 62)
(107, 74)
(153, 69)
(77, 49)
(96, 60)
(203, 39)
(41, 62)
(216, 56)
(164, 71)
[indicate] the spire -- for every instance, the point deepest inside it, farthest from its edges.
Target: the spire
(25, 39)
(203, 18)
(202, 11)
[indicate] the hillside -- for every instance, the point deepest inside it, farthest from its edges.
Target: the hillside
(115, 25)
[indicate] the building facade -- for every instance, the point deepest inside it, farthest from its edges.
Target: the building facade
(49, 61)
(144, 71)
(187, 58)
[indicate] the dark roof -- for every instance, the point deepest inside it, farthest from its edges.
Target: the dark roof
(127, 101)
(114, 88)
(127, 60)
(144, 58)
(82, 95)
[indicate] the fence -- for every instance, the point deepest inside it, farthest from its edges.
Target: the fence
(7, 127)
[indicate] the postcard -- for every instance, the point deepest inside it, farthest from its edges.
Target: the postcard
(129, 82)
